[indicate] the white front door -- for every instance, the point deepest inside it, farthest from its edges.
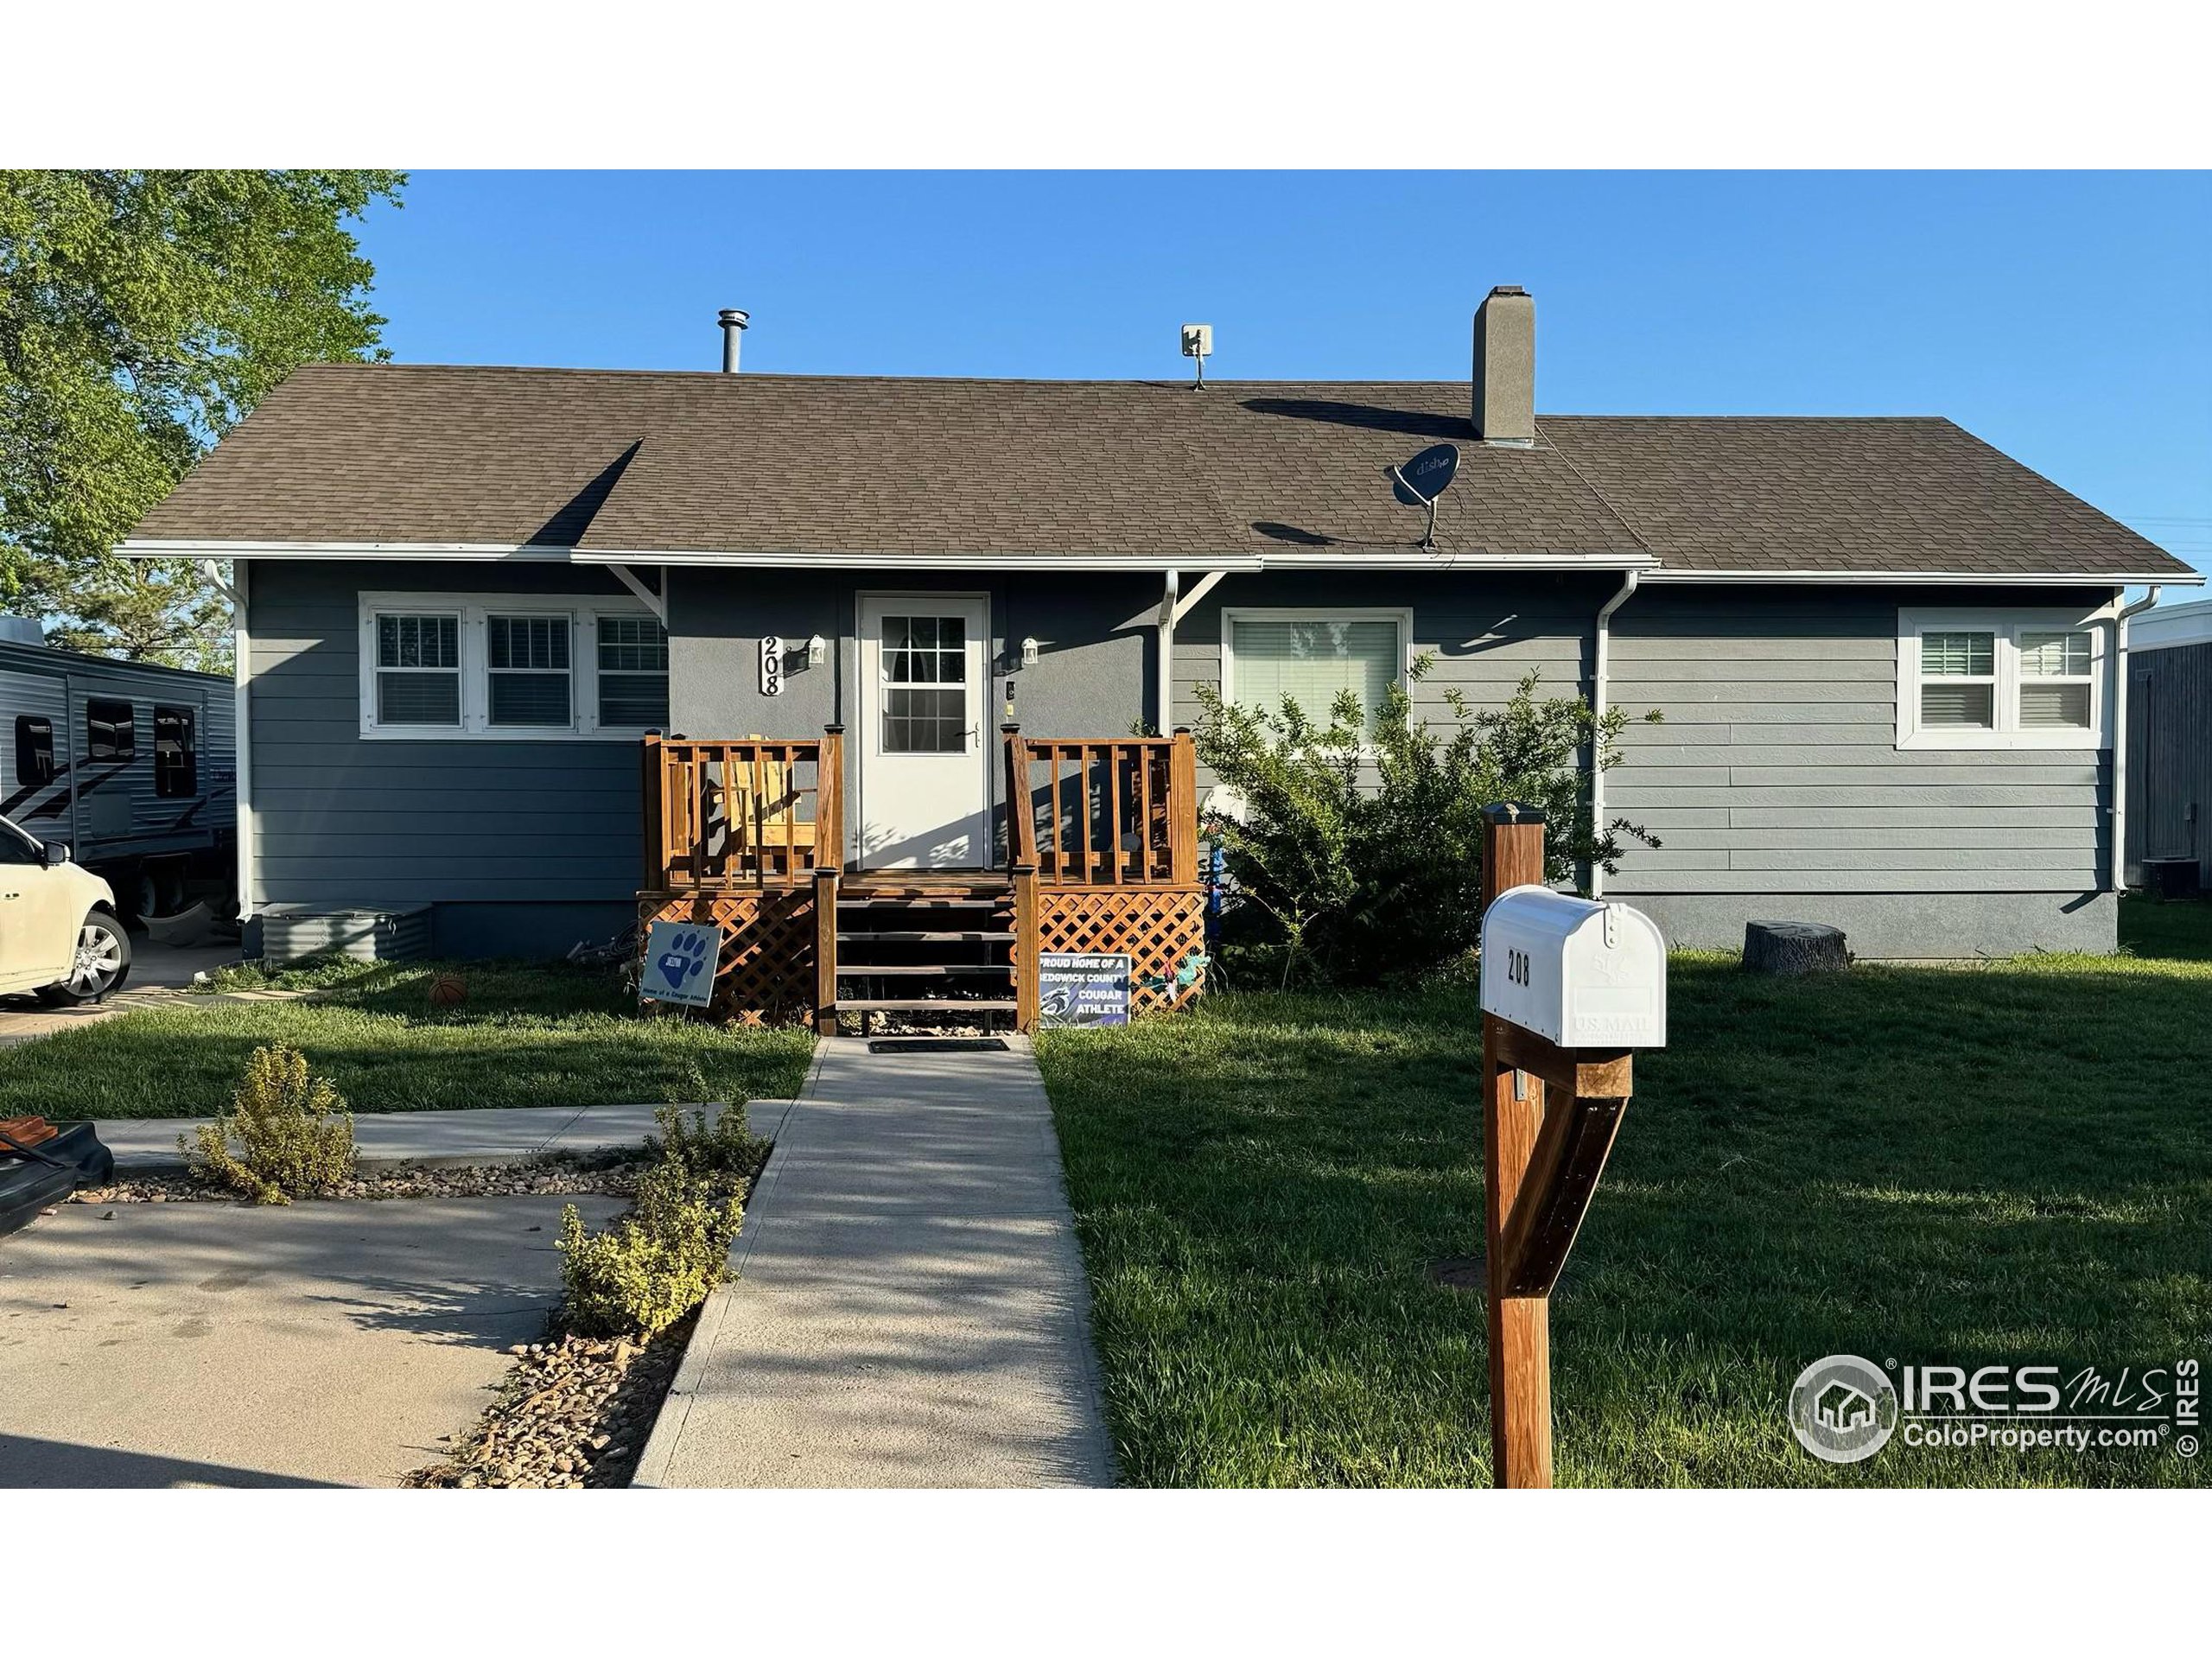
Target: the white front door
(924, 774)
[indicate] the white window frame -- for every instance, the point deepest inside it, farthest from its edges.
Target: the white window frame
(2007, 625)
(1402, 615)
(475, 611)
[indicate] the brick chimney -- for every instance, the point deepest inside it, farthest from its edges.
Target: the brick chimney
(1505, 367)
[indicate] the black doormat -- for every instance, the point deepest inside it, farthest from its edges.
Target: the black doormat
(935, 1044)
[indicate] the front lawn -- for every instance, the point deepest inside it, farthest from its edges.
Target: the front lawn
(1962, 1165)
(526, 1036)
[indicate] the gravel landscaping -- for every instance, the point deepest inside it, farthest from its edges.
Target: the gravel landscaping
(615, 1176)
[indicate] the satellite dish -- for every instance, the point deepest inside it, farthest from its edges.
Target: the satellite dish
(1427, 476)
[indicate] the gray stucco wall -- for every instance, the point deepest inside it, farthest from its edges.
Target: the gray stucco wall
(540, 840)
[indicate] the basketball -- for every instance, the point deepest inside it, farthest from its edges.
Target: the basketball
(447, 991)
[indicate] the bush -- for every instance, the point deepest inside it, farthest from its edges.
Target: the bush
(294, 1131)
(721, 1149)
(1361, 844)
(655, 1264)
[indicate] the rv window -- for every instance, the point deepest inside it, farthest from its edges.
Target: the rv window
(34, 749)
(176, 753)
(109, 733)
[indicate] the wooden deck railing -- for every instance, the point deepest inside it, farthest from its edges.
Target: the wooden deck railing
(1103, 811)
(742, 812)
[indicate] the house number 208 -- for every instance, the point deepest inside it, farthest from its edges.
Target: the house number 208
(1517, 967)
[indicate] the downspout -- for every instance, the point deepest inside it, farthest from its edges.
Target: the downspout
(1166, 692)
(235, 590)
(1597, 689)
(2118, 810)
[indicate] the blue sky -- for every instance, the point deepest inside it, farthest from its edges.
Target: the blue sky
(2063, 317)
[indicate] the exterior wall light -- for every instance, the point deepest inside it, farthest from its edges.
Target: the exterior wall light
(817, 651)
(1029, 653)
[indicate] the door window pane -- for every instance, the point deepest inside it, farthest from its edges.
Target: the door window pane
(110, 732)
(176, 753)
(925, 685)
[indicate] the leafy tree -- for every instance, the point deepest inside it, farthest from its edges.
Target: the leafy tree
(1360, 843)
(142, 315)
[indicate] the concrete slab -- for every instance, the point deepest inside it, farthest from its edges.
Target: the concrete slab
(226, 1345)
(910, 1309)
(495, 1135)
(159, 974)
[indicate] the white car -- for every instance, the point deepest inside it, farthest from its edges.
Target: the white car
(60, 935)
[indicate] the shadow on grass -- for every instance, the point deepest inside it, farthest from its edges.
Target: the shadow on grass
(1948, 1166)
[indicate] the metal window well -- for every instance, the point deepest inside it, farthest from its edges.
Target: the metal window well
(395, 933)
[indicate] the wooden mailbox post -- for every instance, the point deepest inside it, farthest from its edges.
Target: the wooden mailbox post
(1570, 988)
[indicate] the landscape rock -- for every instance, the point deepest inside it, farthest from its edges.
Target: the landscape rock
(1794, 948)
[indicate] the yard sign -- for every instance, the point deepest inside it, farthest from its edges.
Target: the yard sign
(680, 961)
(1081, 988)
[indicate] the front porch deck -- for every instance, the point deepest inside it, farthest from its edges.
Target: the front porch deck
(1098, 853)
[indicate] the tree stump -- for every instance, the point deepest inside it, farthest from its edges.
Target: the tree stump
(1790, 948)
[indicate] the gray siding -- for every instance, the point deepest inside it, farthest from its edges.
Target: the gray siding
(2169, 756)
(341, 819)
(1777, 772)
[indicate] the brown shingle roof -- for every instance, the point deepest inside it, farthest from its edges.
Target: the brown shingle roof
(640, 462)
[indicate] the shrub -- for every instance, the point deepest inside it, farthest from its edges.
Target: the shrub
(721, 1150)
(1361, 843)
(655, 1264)
(293, 1133)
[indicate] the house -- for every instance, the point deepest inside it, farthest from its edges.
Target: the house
(1884, 650)
(2168, 761)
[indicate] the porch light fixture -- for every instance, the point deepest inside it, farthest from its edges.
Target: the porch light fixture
(817, 651)
(1029, 653)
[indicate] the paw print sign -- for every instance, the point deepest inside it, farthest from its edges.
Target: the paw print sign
(679, 965)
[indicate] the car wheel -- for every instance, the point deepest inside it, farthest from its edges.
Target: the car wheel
(102, 962)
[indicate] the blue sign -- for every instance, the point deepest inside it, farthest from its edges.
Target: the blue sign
(1427, 476)
(680, 963)
(1081, 988)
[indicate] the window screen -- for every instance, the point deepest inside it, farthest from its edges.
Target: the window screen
(110, 733)
(924, 685)
(528, 657)
(177, 752)
(632, 672)
(418, 671)
(34, 749)
(1313, 661)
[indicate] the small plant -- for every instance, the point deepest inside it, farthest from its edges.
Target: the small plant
(720, 1149)
(656, 1263)
(293, 1133)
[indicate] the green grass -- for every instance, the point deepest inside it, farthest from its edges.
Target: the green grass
(2006, 1162)
(526, 1036)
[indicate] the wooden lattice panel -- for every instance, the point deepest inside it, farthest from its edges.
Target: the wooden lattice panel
(766, 971)
(1158, 929)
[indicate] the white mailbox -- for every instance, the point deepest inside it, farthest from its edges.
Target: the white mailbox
(1583, 973)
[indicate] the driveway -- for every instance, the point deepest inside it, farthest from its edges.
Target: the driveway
(218, 1345)
(158, 972)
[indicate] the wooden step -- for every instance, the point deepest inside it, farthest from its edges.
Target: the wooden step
(925, 1005)
(908, 936)
(905, 907)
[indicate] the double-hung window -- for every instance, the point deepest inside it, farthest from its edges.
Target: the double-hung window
(484, 666)
(2000, 680)
(1312, 657)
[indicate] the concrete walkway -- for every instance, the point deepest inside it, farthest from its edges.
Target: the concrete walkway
(911, 1309)
(219, 1344)
(498, 1134)
(159, 974)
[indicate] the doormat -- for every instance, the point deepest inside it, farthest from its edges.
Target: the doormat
(935, 1044)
